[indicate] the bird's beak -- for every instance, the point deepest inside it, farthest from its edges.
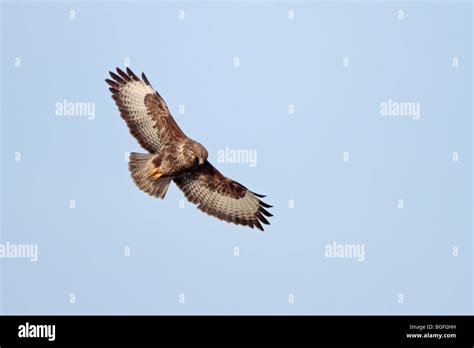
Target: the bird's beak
(201, 160)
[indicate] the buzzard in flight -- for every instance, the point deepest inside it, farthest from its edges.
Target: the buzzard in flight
(172, 156)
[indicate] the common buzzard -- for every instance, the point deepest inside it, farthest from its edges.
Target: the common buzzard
(175, 157)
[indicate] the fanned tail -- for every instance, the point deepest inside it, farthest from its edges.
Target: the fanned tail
(139, 166)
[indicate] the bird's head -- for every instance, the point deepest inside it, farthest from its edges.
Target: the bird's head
(200, 152)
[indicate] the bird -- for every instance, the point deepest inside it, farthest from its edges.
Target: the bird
(174, 157)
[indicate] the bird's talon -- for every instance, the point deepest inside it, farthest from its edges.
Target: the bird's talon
(155, 174)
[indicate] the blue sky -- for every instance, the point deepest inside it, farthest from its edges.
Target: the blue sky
(301, 85)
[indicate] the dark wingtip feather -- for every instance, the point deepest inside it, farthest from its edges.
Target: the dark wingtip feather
(145, 79)
(123, 75)
(265, 205)
(112, 83)
(132, 74)
(265, 212)
(262, 219)
(259, 195)
(258, 225)
(116, 77)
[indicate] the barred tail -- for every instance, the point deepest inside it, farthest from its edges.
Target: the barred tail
(139, 167)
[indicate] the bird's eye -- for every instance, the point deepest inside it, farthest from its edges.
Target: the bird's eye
(196, 161)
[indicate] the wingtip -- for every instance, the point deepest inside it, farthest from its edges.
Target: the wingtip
(124, 75)
(145, 79)
(132, 74)
(265, 205)
(258, 225)
(264, 211)
(262, 219)
(117, 78)
(112, 83)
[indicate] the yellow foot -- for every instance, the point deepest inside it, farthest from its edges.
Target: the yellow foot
(155, 174)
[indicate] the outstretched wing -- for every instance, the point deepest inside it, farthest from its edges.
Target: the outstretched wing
(144, 111)
(222, 197)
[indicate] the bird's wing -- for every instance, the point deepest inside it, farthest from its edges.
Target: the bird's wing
(222, 197)
(144, 111)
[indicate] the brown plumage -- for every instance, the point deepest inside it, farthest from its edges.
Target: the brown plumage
(174, 156)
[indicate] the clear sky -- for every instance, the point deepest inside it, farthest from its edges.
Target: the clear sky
(358, 113)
